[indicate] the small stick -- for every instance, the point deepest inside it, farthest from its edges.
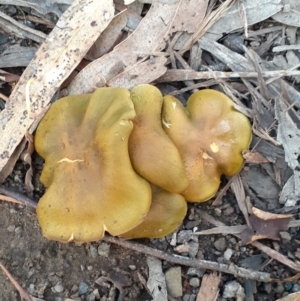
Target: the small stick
(23, 294)
(19, 197)
(196, 263)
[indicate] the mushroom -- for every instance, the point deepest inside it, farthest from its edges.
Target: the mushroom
(153, 155)
(210, 135)
(166, 214)
(91, 185)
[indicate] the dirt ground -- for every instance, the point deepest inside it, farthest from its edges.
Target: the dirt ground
(51, 270)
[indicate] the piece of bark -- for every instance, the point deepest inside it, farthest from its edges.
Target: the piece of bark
(209, 290)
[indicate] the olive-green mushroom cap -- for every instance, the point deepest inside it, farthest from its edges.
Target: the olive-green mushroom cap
(92, 187)
(153, 154)
(210, 136)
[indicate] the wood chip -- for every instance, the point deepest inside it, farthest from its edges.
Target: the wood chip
(209, 290)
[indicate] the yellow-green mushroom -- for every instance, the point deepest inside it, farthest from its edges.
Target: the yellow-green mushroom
(154, 156)
(210, 136)
(91, 185)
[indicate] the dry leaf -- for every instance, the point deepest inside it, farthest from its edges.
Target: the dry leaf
(8, 77)
(156, 281)
(288, 135)
(289, 15)
(109, 36)
(162, 19)
(287, 195)
(255, 11)
(68, 42)
(150, 33)
(254, 157)
(265, 225)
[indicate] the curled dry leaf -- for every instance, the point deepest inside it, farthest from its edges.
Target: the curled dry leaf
(256, 11)
(65, 46)
(109, 37)
(254, 157)
(265, 225)
(142, 42)
(116, 67)
(288, 134)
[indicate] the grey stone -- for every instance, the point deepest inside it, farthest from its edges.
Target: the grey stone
(194, 282)
(103, 249)
(31, 289)
(173, 281)
(296, 288)
(228, 253)
(268, 287)
(58, 288)
(93, 251)
(288, 286)
(285, 235)
(195, 272)
(194, 247)
(91, 297)
(279, 289)
(83, 288)
(184, 236)
(231, 289)
(220, 244)
(132, 267)
(228, 211)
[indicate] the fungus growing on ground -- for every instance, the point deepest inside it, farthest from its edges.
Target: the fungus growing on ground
(92, 187)
(154, 156)
(210, 136)
(165, 215)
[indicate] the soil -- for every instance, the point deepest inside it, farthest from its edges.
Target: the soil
(52, 271)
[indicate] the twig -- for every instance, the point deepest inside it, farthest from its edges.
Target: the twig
(185, 74)
(19, 197)
(23, 294)
(196, 263)
(17, 28)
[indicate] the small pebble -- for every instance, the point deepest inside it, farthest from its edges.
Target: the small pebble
(91, 297)
(18, 230)
(231, 289)
(103, 249)
(194, 247)
(58, 288)
(132, 267)
(228, 253)
(184, 248)
(11, 228)
(285, 235)
(195, 272)
(218, 212)
(173, 282)
(184, 236)
(268, 287)
(194, 282)
(288, 286)
(93, 251)
(228, 211)
(83, 288)
(296, 288)
(58, 299)
(220, 244)
(279, 289)
(31, 289)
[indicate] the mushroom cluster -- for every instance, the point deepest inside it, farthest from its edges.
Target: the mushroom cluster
(126, 162)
